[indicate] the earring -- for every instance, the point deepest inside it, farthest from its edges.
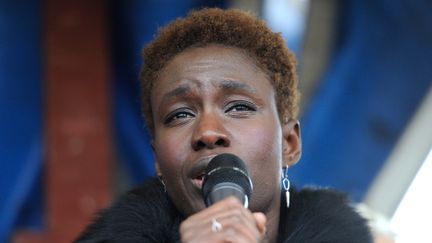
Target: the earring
(162, 182)
(286, 185)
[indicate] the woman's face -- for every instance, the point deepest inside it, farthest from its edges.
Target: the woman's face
(214, 100)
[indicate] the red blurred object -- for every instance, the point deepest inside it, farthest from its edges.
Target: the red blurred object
(77, 118)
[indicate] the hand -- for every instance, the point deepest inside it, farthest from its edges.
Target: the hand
(238, 224)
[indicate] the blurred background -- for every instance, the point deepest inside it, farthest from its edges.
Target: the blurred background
(72, 137)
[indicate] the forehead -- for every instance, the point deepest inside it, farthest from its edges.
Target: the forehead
(206, 65)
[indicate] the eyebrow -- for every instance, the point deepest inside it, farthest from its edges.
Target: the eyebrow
(180, 90)
(226, 85)
(231, 85)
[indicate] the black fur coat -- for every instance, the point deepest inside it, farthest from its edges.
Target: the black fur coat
(147, 215)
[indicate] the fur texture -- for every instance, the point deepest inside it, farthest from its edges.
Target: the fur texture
(147, 215)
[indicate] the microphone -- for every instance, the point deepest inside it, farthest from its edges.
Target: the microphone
(226, 175)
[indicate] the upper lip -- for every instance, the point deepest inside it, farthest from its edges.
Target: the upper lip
(199, 166)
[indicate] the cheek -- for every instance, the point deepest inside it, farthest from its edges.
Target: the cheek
(264, 155)
(268, 142)
(264, 148)
(169, 154)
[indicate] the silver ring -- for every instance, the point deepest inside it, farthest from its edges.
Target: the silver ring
(216, 226)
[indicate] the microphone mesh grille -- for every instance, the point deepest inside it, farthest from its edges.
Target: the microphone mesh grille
(226, 168)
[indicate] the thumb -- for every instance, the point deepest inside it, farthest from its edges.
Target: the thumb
(260, 220)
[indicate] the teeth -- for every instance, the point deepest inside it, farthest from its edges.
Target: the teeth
(198, 181)
(200, 177)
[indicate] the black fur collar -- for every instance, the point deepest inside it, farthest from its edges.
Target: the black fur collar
(321, 215)
(147, 215)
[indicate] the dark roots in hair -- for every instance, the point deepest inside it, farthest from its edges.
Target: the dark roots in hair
(231, 28)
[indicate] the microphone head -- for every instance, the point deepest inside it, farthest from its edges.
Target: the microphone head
(226, 175)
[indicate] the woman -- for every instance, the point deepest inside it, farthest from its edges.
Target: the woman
(221, 82)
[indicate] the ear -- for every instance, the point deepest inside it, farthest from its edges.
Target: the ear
(291, 142)
(156, 164)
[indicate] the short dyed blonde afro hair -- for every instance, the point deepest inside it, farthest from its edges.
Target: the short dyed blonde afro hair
(231, 28)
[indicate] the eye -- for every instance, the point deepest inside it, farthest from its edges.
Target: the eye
(240, 107)
(178, 116)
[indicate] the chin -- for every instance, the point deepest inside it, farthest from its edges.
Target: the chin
(193, 208)
(189, 204)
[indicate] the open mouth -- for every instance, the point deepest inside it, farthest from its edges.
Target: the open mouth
(197, 172)
(198, 180)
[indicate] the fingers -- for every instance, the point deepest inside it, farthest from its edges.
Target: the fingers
(261, 221)
(237, 224)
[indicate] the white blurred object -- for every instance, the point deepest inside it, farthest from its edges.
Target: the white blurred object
(413, 218)
(401, 191)
(287, 17)
(378, 223)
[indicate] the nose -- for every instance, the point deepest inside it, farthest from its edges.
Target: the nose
(209, 133)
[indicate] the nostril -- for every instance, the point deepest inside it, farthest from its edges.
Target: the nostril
(209, 140)
(199, 145)
(220, 142)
